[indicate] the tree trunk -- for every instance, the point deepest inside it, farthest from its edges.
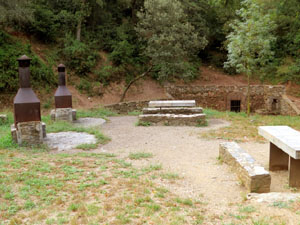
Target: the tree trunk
(78, 31)
(248, 96)
(133, 81)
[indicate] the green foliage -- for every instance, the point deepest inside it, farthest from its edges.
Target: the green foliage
(250, 42)
(45, 25)
(11, 50)
(79, 56)
(171, 39)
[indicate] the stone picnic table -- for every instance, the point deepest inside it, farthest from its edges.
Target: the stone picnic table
(284, 150)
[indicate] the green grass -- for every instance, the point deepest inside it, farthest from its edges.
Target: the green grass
(135, 113)
(140, 155)
(97, 113)
(143, 123)
(244, 128)
(83, 188)
(6, 141)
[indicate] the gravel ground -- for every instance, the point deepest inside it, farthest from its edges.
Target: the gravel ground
(181, 150)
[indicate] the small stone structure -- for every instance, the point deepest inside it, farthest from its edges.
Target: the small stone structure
(63, 99)
(173, 113)
(254, 177)
(28, 128)
(3, 118)
(265, 99)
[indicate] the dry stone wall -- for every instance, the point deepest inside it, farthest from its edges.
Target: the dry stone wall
(265, 99)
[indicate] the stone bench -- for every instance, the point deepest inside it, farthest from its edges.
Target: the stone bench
(174, 103)
(253, 176)
(284, 150)
(174, 110)
(174, 120)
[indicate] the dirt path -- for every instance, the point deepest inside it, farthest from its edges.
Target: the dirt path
(180, 150)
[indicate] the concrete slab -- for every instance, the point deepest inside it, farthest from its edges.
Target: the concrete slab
(174, 103)
(284, 137)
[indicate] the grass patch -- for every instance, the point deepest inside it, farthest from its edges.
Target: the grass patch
(87, 188)
(143, 123)
(96, 113)
(170, 176)
(140, 155)
(135, 113)
(244, 128)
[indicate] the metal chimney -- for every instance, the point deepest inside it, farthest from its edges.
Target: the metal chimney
(26, 103)
(63, 98)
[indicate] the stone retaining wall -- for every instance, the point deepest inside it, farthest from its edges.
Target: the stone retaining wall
(126, 107)
(265, 99)
(253, 176)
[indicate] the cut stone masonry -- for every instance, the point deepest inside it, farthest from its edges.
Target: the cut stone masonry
(173, 113)
(253, 176)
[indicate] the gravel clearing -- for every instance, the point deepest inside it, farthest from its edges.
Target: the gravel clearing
(64, 141)
(181, 150)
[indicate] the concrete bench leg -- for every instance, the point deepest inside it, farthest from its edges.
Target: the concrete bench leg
(294, 172)
(279, 160)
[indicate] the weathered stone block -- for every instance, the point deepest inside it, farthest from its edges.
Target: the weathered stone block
(175, 103)
(174, 120)
(65, 114)
(175, 110)
(3, 118)
(28, 133)
(253, 176)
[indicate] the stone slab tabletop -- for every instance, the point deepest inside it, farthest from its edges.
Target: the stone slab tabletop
(284, 137)
(173, 103)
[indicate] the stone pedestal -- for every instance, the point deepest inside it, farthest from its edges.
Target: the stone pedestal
(29, 133)
(66, 114)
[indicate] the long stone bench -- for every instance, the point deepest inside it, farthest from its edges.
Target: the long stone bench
(174, 120)
(254, 177)
(172, 103)
(284, 150)
(175, 110)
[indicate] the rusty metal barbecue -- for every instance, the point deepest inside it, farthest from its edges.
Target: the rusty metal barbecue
(26, 103)
(63, 98)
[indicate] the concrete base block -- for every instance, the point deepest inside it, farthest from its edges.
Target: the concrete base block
(253, 176)
(65, 114)
(28, 133)
(174, 120)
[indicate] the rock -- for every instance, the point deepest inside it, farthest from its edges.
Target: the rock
(273, 197)
(3, 118)
(68, 140)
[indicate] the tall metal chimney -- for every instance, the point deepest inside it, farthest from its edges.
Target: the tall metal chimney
(26, 103)
(63, 98)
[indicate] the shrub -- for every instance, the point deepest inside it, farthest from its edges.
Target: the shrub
(11, 49)
(79, 56)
